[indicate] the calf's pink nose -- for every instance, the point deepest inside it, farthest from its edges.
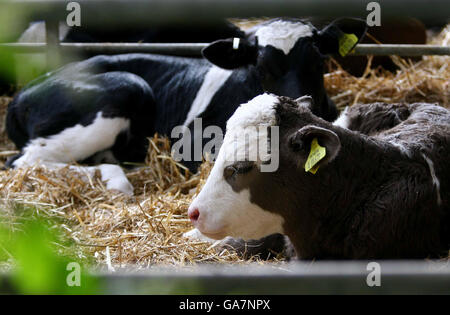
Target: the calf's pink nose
(193, 214)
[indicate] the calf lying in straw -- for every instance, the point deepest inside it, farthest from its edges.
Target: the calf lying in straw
(337, 193)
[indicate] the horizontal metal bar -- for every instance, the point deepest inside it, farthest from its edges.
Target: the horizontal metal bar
(324, 277)
(110, 48)
(189, 49)
(401, 50)
(126, 12)
(342, 277)
(178, 49)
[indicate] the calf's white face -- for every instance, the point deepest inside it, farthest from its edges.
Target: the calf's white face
(222, 210)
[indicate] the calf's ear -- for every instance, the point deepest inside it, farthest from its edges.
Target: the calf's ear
(341, 36)
(300, 142)
(231, 53)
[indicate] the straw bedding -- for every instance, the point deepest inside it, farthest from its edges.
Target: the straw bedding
(146, 230)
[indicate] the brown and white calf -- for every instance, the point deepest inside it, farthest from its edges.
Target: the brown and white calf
(379, 193)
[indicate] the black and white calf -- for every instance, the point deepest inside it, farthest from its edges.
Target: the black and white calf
(383, 194)
(103, 108)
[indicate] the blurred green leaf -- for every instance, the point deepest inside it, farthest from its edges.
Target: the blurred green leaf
(16, 67)
(39, 267)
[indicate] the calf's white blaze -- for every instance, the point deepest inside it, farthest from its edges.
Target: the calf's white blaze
(224, 212)
(283, 34)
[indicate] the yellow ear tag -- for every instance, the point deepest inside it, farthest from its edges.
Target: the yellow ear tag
(346, 43)
(315, 155)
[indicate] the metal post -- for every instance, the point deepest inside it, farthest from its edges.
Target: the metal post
(53, 46)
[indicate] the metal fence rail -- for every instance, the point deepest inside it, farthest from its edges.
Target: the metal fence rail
(332, 277)
(152, 12)
(185, 49)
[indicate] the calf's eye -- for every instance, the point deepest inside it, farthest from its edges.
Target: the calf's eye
(238, 168)
(229, 171)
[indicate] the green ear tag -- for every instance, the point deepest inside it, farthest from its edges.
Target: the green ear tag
(346, 43)
(315, 155)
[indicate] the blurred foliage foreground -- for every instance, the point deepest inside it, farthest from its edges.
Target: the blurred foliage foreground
(36, 259)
